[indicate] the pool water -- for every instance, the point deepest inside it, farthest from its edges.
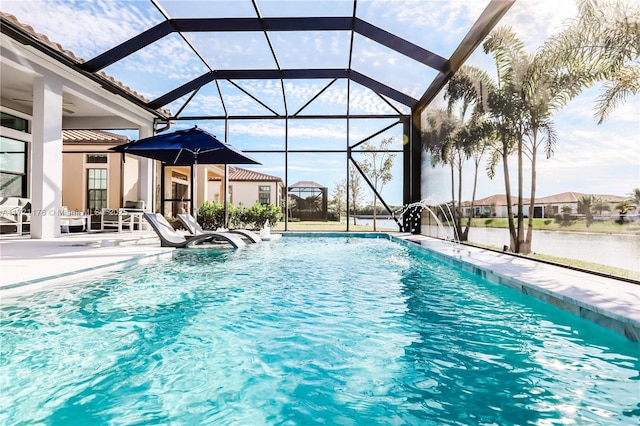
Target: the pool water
(301, 331)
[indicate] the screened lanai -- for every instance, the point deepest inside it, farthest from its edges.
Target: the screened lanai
(308, 88)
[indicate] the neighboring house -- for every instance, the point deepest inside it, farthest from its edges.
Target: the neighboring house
(496, 205)
(246, 187)
(553, 204)
(491, 206)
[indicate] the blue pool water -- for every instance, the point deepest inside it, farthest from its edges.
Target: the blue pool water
(301, 331)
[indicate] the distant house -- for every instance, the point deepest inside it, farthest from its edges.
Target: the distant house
(496, 205)
(553, 204)
(246, 187)
(491, 206)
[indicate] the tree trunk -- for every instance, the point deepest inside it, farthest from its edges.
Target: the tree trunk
(375, 208)
(459, 214)
(465, 233)
(526, 248)
(520, 232)
(453, 196)
(507, 187)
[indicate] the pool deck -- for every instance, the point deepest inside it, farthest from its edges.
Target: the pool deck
(30, 264)
(609, 302)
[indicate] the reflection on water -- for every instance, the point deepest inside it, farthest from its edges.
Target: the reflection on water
(620, 251)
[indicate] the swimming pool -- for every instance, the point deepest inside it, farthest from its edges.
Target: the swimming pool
(305, 331)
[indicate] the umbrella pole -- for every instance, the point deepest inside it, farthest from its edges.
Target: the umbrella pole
(226, 196)
(194, 192)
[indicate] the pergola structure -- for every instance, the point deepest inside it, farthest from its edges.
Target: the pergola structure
(278, 39)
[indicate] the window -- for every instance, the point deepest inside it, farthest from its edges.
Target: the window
(264, 195)
(13, 122)
(97, 158)
(13, 167)
(96, 189)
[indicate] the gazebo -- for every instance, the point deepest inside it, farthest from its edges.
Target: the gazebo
(308, 201)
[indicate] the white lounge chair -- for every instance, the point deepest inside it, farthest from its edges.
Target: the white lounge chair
(194, 228)
(169, 237)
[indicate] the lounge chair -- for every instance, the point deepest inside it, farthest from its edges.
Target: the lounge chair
(194, 228)
(169, 237)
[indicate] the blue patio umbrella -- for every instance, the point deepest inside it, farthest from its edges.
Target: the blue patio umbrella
(188, 147)
(185, 148)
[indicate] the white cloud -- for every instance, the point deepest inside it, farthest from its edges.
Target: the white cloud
(96, 26)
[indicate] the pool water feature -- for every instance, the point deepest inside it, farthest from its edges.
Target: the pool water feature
(307, 330)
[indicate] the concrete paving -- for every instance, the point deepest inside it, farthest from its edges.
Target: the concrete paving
(607, 301)
(30, 264)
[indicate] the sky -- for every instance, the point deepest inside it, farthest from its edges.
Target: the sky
(589, 158)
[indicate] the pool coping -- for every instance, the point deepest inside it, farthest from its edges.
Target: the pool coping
(606, 301)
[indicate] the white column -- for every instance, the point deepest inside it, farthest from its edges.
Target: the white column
(146, 173)
(46, 157)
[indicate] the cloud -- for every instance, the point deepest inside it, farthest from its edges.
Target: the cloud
(96, 27)
(535, 21)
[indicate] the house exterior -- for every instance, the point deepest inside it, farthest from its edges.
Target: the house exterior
(246, 187)
(553, 204)
(40, 97)
(93, 177)
(491, 206)
(549, 206)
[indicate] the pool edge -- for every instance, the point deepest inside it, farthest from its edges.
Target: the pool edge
(602, 314)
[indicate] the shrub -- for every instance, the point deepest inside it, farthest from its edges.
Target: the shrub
(211, 215)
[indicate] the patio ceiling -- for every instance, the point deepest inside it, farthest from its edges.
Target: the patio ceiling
(264, 58)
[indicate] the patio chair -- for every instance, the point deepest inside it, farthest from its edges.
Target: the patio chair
(194, 228)
(129, 216)
(169, 237)
(15, 212)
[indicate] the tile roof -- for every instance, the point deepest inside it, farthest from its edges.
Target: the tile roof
(92, 136)
(498, 200)
(306, 184)
(240, 174)
(574, 197)
(564, 197)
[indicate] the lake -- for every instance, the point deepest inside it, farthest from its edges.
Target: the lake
(620, 251)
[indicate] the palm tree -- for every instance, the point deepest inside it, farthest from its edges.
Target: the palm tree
(599, 205)
(469, 88)
(509, 112)
(529, 93)
(635, 197)
(441, 141)
(586, 205)
(602, 43)
(624, 207)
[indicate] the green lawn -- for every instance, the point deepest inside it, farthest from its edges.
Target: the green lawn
(606, 227)
(589, 266)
